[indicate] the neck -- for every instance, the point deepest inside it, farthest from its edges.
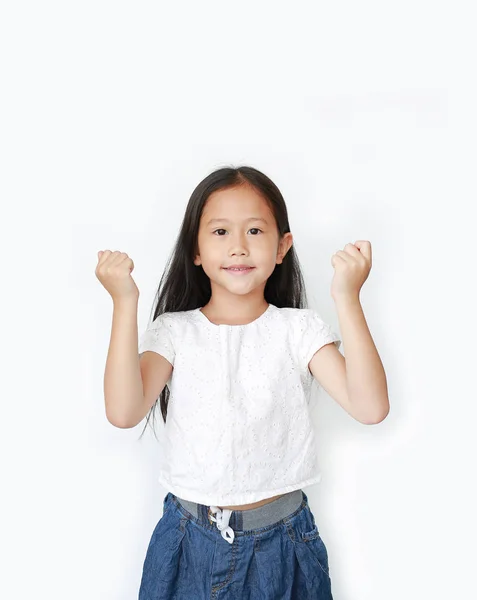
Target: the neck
(239, 309)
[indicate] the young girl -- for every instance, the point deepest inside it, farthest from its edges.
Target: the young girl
(232, 353)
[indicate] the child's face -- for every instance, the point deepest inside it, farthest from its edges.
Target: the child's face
(247, 235)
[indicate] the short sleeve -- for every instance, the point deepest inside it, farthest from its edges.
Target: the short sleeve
(315, 334)
(158, 338)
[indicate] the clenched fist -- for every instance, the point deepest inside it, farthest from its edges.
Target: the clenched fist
(114, 272)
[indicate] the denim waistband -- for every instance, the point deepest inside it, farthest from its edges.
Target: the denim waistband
(240, 520)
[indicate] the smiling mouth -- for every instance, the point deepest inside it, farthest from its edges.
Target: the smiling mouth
(240, 270)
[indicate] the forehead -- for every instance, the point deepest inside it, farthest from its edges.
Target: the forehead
(236, 204)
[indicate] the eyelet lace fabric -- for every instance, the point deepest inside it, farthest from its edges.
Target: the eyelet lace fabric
(238, 426)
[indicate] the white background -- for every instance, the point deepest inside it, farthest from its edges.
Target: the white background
(364, 115)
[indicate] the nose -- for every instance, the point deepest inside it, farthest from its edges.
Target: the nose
(238, 245)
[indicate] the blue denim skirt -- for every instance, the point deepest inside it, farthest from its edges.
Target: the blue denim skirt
(274, 552)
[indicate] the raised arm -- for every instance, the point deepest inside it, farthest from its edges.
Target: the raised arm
(131, 383)
(123, 387)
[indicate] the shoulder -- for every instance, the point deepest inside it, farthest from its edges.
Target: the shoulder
(173, 319)
(296, 316)
(304, 324)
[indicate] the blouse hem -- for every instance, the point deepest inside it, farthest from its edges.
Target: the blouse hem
(236, 499)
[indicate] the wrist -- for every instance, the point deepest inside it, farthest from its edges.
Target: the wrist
(346, 299)
(126, 302)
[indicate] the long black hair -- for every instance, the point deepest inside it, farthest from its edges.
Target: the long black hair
(185, 286)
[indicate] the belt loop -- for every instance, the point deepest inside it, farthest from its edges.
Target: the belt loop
(209, 515)
(202, 510)
(238, 519)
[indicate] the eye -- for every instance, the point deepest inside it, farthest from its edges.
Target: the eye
(252, 229)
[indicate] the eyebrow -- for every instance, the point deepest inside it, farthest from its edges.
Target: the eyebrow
(246, 220)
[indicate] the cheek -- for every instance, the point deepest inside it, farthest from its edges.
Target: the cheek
(204, 244)
(211, 254)
(210, 248)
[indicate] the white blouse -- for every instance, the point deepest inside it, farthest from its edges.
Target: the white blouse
(238, 427)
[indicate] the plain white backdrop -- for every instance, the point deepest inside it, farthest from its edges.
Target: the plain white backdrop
(364, 116)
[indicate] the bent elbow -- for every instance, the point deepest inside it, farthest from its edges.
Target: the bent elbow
(375, 419)
(120, 423)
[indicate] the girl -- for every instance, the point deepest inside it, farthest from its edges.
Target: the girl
(232, 353)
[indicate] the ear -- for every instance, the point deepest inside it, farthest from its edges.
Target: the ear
(283, 247)
(197, 260)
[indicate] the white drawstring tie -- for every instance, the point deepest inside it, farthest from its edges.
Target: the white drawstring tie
(222, 520)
